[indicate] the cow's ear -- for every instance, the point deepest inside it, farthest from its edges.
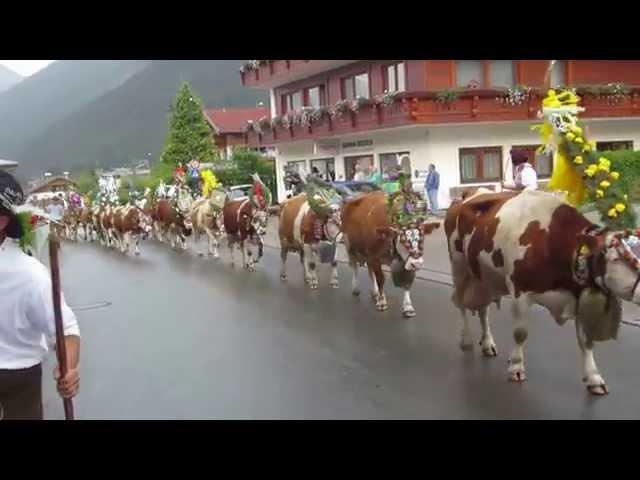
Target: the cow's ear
(427, 228)
(385, 232)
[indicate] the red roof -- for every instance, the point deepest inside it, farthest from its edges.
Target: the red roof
(233, 120)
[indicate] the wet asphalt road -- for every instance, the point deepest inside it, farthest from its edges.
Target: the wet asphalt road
(192, 338)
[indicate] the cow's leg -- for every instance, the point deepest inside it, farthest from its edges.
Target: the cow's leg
(310, 266)
(283, 268)
(197, 242)
(487, 343)
(215, 242)
(334, 274)
(407, 306)
(355, 285)
(591, 377)
(231, 253)
(381, 303)
(466, 340)
(375, 292)
(520, 333)
(137, 245)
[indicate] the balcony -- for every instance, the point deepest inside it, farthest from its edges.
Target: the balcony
(415, 108)
(273, 73)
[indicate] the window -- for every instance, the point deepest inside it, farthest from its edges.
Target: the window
(502, 73)
(616, 145)
(326, 167)
(355, 86)
(364, 161)
(315, 97)
(558, 75)
(542, 162)
(394, 78)
(469, 72)
(291, 102)
(483, 164)
(389, 161)
(298, 166)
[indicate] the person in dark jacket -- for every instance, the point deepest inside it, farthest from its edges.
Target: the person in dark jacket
(431, 186)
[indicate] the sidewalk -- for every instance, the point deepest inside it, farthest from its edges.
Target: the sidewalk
(437, 268)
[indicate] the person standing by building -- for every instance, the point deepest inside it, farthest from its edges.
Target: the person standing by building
(524, 175)
(27, 323)
(431, 186)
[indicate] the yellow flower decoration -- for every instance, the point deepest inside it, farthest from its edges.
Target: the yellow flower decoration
(625, 196)
(592, 144)
(586, 147)
(578, 160)
(577, 130)
(613, 213)
(591, 170)
(570, 136)
(620, 207)
(579, 140)
(604, 161)
(599, 193)
(605, 184)
(614, 175)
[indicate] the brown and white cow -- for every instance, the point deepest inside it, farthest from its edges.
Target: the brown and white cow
(70, 223)
(301, 231)
(130, 222)
(528, 245)
(370, 239)
(207, 220)
(105, 222)
(244, 223)
(172, 223)
(85, 224)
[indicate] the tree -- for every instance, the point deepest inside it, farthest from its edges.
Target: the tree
(189, 134)
(86, 181)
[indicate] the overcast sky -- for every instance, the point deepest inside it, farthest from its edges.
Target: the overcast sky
(25, 67)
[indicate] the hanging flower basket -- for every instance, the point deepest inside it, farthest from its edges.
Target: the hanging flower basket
(515, 96)
(385, 99)
(340, 108)
(447, 96)
(360, 102)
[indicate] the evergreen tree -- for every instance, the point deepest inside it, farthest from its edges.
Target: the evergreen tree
(189, 134)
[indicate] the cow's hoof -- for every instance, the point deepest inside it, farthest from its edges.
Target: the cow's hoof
(200, 254)
(216, 256)
(490, 351)
(313, 285)
(374, 297)
(382, 307)
(598, 389)
(334, 284)
(517, 376)
(283, 277)
(355, 292)
(408, 312)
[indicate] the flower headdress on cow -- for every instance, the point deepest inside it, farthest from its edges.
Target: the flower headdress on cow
(405, 207)
(209, 182)
(579, 170)
(260, 195)
(321, 196)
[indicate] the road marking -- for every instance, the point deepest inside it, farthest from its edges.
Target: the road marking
(91, 306)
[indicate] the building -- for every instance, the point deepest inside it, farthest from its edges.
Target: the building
(54, 185)
(229, 125)
(456, 114)
(8, 165)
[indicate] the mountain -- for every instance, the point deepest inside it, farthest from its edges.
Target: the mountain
(130, 121)
(8, 78)
(54, 92)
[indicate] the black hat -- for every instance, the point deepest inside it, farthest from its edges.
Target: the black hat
(518, 156)
(11, 196)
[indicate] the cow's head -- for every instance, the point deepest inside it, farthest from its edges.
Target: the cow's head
(613, 262)
(144, 223)
(408, 241)
(183, 223)
(259, 219)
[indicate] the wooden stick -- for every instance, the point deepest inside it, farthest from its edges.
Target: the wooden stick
(547, 77)
(61, 351)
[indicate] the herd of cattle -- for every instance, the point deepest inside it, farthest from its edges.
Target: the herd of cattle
(526, 245)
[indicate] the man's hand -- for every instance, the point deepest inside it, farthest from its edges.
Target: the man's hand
(68, 386)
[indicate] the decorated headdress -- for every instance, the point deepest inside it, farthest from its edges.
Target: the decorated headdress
(259, 194)
(321, 196)
(579, 170)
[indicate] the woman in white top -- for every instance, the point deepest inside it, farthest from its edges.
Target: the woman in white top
(524, 175)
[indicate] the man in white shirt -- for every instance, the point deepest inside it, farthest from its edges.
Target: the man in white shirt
(27, 323)
(524, 175)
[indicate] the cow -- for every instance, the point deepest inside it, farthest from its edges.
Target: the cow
(85, 223)
(130, 222)
(172, 224)
(370, 239)
(207, 220)
(539, 250)
(105, 219)
(242, 223)
(301, 230)
(70, 223)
